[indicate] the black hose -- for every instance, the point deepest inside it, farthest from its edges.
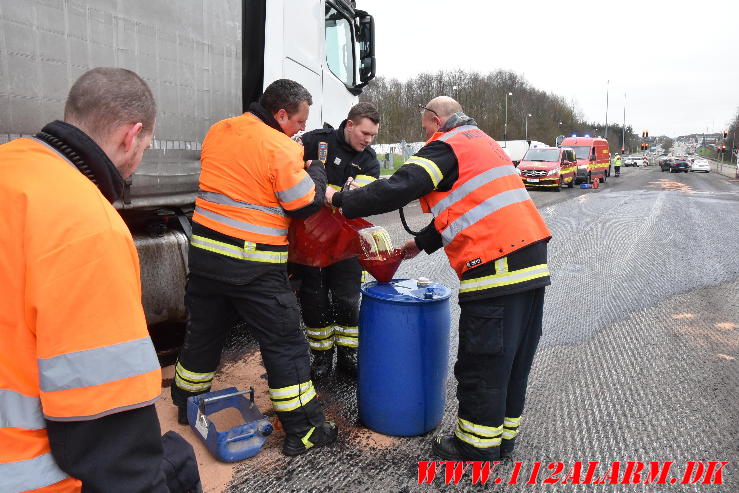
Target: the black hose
(405, 224)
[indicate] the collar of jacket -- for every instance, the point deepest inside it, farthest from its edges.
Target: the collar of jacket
(86, 156)
(340, 137)
(261, 112)
(457, 120)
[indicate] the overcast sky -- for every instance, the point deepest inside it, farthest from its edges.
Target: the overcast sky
(680, 82)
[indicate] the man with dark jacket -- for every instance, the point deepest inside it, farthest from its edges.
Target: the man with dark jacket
(252, 182)
(496, 241)
(329, 296)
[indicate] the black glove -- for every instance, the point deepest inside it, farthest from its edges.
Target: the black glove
(179, 464)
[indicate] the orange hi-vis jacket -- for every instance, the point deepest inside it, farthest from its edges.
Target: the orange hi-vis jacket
(488, 213)
(74, 343)
(251, 173)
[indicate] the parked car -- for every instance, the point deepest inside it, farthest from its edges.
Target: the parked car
(550, 167)
(679, 164)
(701, 165)
(631, 161)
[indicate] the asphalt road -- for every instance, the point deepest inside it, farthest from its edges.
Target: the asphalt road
(638, 359)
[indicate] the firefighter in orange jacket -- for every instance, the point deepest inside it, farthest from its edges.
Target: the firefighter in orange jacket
(78, 371)
(252, 182)
(496, 241)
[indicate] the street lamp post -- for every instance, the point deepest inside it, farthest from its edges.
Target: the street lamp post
(623, 129)
(505, 126)
(527, 125)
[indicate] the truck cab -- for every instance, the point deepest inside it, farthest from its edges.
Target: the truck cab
(548, 167)
(593, 158)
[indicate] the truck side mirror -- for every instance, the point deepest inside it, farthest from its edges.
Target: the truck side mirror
(366, 40)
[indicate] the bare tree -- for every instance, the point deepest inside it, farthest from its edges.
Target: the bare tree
(483, 97)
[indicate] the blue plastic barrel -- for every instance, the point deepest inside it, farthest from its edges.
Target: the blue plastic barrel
(403, 356)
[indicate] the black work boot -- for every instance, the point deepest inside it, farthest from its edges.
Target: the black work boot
(346, 360)
(182, 415)
(449, 447)
(318, 436)
(322, 364)
(506, 448)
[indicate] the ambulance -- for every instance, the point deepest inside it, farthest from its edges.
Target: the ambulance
(593, 158)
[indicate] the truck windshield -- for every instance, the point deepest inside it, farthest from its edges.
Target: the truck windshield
(339, 47)
(546, 155)
(582, 152)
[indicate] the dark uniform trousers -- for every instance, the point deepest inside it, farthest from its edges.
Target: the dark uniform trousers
(497, 341)
(270, 310)
(330, 296)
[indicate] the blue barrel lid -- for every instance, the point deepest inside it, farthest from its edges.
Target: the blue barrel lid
(406, 291)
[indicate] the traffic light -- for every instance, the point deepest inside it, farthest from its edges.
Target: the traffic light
(646, 134)
(622, 150)
(726, 133)
(643, 134)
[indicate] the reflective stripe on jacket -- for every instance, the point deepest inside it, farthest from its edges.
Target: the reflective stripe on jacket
(251, 173)
(488, 213)
(75, 344)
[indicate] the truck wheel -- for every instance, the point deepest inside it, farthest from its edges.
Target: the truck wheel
(558, 188)
(571, 183)
(603, 178)
(590, 178)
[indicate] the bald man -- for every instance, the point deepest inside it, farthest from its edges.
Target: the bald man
(496, 241)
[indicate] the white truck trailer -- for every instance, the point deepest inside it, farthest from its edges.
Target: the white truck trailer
(517, 148)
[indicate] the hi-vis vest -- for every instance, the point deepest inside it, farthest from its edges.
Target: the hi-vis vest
(251, 173)
(488, 212)
(74, 343)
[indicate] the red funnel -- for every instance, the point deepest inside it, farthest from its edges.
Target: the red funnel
(324, 238)
(383, 268)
